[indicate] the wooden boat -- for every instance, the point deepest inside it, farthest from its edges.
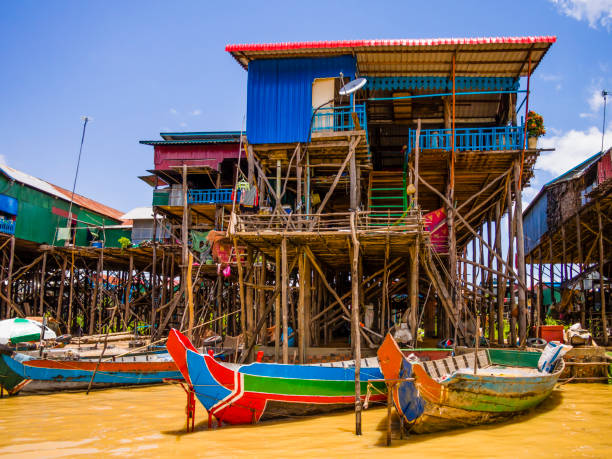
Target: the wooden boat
(23, 373)
(445, 394)
(243, 394)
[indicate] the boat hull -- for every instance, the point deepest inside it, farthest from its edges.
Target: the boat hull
(461, 398)
(52, 375)
(243, 394)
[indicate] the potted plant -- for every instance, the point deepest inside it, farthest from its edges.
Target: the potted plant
(535, 129)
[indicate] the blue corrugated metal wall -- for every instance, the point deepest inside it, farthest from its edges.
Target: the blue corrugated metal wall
(279, 95)
(534, 222)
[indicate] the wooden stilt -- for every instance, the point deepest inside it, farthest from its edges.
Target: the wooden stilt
(277, 307)
(520, 252)
(602, 293)
(284, 299)
(355, 335)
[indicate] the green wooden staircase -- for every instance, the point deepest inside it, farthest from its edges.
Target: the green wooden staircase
(387, 193)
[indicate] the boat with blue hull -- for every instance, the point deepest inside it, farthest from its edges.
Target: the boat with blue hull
(24, 373)
(448, 393)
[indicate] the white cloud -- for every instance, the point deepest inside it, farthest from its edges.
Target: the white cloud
(595, 12)
(173, 111)
(586, 115)
(595, 100)
(3, 161)
(183, 124)
(196, 112)
(571, 148)
(550, 77)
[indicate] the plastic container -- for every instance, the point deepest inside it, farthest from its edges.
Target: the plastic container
(551, 333)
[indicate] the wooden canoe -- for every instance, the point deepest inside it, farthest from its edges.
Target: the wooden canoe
(23, 373)
(445, 394)
(243, 394)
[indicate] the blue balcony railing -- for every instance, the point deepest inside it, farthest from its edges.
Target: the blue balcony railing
(213, 196)
(339, 118)
(466, 139)
(7, 226)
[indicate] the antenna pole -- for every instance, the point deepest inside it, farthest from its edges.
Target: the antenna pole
(604, 93)
(76, 174)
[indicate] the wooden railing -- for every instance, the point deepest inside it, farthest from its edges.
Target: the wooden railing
(371, 222)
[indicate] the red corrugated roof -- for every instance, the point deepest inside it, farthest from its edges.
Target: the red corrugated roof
(90, 204)
(383, 43)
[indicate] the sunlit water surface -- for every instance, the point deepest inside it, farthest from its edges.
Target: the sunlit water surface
(576, 421)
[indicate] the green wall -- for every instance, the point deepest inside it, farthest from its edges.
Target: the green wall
(37, 223)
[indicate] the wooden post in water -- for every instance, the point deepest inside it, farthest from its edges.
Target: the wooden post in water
(284, 292)
(389, 403)
(520, 252)
(277, 307)
(602, 294)
(356, 337)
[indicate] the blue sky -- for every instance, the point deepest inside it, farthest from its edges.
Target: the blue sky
(138, 68)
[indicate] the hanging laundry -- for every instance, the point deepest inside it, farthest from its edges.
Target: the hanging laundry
(63, 234)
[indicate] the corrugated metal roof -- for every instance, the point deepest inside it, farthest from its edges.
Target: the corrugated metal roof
(493, 56)
(59, 192)
(139, 213)
(210, 135)
(187, 142)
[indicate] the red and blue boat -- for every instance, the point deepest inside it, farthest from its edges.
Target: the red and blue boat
(24, 373)
(244, 394)
(448, 393)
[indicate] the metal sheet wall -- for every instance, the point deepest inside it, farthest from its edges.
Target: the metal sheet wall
(279, 96)
(534, 222)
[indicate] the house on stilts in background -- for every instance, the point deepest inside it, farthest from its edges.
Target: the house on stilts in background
(567, 245)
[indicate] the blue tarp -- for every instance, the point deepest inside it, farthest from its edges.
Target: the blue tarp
(279, 95)
(8, 205)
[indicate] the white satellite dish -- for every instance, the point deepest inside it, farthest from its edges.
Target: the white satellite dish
(352, 86)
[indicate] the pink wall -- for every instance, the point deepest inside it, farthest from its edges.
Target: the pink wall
(210, 155)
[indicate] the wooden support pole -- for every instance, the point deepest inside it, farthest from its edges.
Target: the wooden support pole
(301, 317)
(184, 237)
(128, 291)
(42, 284)
(71, 293)
(355, 335)
(581, 268)
(243, 313)
(414, 288)
(552, 270)
(60, 296)
(277, 307)
(189, 295)
(417, 148)
(249, 301)
(500, 279)
(520, 252)
(538, 320)
(94, 298)
(602, 293)
(284, 299)
(511, 236)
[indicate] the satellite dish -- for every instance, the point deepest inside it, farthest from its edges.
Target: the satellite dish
(352, 86)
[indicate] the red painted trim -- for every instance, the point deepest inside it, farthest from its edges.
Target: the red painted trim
(62, 212)
(132, 367)
(287, 46)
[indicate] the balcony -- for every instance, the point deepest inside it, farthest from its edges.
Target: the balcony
(212, 196)
(7, 226)
(469, 139)
(337, 119)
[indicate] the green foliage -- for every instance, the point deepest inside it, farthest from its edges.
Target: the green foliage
(535, 124)
(550, 321)
(124, 242)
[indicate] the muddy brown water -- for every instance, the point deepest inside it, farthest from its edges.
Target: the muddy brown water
(576, 421)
